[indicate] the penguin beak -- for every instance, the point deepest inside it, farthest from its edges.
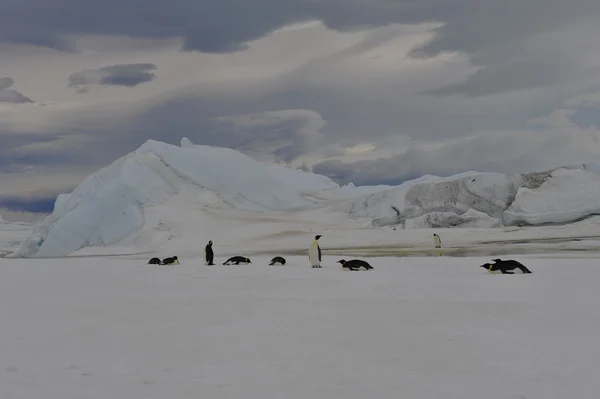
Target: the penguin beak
(177, 261)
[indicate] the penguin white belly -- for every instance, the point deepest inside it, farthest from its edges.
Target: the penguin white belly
(313, 254)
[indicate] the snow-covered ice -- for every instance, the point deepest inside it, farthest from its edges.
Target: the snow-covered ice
(163, 196)
(427, 328)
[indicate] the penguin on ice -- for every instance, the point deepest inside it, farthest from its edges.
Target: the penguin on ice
(170, 261)
(237, 260)
(504, 266)
(154, 261)
(436, 241)
(314, 253)
(277, 260)
(209, 255)
(355, 264)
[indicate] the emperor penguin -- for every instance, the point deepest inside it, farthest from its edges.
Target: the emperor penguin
(505, 266)
(154, 261)
(236, 260)
(209, 255)
(354, 264)
(277, 260)
(436, 241)
(170, 261)
(314, 253)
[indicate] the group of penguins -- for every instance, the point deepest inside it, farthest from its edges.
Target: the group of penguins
(314, 256)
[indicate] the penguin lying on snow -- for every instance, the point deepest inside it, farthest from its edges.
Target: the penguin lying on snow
(170, 261)
(354, 264)
(236, 260)
(277, 259)
(504, 266)
(154, 261)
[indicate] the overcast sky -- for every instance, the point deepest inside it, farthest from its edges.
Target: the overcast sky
(368, 91)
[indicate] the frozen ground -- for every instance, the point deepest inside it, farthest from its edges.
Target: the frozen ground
(419, 327)
(12, 235)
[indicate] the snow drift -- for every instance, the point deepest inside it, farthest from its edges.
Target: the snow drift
(108, 205)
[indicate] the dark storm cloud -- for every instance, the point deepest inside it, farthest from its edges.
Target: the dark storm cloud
(128, 75)
(11, 96)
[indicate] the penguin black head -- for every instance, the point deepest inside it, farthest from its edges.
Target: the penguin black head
(342, 261)
(175, 257)
(317, 237)
(210, 243)
(487, 266)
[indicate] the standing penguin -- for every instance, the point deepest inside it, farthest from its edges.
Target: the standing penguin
(314, 253)
(436, 241)
(209, 255)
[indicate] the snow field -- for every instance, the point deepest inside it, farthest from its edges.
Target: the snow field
(437, 327)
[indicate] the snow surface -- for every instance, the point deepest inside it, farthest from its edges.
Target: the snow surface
(486, 199)
(567, 195)
(13, 234)
(160, 195)
(424, 328)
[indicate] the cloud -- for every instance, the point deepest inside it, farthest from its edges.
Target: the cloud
(511, 41)
(32, 205)
(128, 75)
(559, 143)
(479, 77)
(11, 96)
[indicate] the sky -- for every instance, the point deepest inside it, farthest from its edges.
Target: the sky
(363, 91)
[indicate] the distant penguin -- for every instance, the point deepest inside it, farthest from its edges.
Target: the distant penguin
(314, 253)
(209, 255)
(237, 260)
(504, 266)
(277, 260)
(355, 264)
(154, 261)
(170, 261)
(436, 241)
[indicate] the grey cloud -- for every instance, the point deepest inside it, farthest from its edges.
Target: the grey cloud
(209, 25)
(510, 153)
(5, 83)
(128, 75)
(493, 34)
(507, 77)
(11, 96)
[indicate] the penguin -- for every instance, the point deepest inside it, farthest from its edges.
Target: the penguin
(277, 259)
(354, 264)
(209, 255)
(314, 253)
(154, 261)
(170, 261)
(436, 241)
(237, 260)
(504, 266)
